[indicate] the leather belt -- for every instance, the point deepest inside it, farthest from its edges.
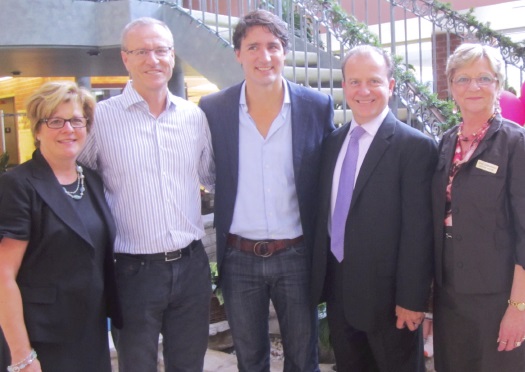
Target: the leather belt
(164, 256)
(261, 248)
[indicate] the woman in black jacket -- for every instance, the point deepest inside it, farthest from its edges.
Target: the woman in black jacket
(56, 266)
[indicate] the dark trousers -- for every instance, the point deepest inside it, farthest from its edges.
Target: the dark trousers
(387, 349)
(248, 284)
(168, 298)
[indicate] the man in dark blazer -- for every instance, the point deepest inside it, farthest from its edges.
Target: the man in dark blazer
(377, 291)
(267, 135)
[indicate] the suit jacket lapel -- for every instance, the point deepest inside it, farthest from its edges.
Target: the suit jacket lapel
(299, 132)
(379, 145)
(46, 185)
(231, 130)
(447, 153)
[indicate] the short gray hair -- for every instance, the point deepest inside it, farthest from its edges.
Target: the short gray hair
(143, 21)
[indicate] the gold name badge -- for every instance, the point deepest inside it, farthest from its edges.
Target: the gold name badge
(487, 167)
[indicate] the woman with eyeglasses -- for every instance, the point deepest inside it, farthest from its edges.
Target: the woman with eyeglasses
(56, 236)
(479, 217)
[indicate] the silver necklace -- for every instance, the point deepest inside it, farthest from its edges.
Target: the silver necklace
(79, 191)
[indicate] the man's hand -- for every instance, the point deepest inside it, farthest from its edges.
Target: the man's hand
(408, 318)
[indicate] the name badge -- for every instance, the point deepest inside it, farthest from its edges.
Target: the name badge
(487, 167)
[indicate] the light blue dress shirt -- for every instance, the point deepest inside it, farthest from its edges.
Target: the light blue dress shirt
(266, 206)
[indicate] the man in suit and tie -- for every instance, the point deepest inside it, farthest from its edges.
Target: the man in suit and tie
(267, 135)
(372, 260)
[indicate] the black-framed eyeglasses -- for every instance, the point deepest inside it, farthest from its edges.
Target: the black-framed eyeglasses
(161, 52)
(58, 123)
(482, 81)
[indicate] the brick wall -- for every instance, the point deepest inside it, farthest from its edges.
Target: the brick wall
(445, 45)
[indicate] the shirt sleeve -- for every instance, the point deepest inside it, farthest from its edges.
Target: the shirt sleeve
(15, 209)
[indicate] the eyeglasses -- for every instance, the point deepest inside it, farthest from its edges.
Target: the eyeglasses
(58, 123)
(161, 52)
(482, 81)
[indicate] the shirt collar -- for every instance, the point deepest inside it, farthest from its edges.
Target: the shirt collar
(132, 97)
(242, 99)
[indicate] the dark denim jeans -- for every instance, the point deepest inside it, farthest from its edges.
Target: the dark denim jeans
(248, 284)
(172, 298)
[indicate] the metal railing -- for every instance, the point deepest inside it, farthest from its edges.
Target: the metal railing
(415, 30)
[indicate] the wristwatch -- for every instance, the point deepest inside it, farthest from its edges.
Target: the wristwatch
(518, 305)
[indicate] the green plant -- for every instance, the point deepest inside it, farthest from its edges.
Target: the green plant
(324, 334)
(4, 159)
(215, 280)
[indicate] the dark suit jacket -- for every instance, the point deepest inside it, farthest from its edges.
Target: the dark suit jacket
(487, 209)
(54, 277)
(388, 238)
(312, 121)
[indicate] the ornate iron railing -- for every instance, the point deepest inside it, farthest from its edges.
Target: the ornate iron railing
(465, 27)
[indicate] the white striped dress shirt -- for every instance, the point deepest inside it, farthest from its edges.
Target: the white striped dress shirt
(152, 169)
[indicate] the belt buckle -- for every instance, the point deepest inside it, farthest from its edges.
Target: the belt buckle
(257, 249)
(172, 256)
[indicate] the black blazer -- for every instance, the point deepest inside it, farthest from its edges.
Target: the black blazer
(56, 268)
(312, 121)
(488, 209)
(388, 238)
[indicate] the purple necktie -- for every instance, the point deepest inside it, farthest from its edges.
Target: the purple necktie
(344, 194)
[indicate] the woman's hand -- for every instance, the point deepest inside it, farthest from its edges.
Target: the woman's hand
(512, 329)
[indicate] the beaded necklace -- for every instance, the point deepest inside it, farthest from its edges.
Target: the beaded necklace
(79, 191)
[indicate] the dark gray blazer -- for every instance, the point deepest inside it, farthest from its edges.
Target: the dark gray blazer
(388, 238)
(488, 209)
(312, 121)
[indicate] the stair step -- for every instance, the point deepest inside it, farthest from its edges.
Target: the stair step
(299, 57)
(336, 93)
(314, 75)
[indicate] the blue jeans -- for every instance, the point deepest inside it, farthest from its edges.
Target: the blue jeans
(248, 284)
(172, 298)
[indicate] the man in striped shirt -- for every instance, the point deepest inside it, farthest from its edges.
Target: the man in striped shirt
(153, 151)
